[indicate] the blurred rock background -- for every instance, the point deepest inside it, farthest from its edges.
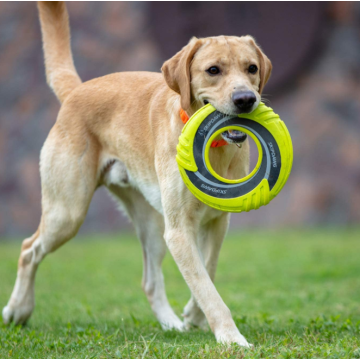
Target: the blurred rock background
(315, 87)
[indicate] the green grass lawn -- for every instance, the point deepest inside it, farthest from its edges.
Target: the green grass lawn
(293, 294)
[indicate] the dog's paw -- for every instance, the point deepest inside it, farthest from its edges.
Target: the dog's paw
(195, 322)
(7, 315)
(194, 316)
(18, 315)
(232, 337)
(172, 323)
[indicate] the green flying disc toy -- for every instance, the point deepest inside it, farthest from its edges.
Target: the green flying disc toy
(256, 189)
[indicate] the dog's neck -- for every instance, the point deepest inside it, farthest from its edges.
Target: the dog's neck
(185, 118)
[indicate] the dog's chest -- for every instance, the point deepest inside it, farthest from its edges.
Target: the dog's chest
(208, 213)
(153, 196)
(150, 190)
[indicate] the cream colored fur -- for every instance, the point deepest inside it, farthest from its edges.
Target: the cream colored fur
(121, 131)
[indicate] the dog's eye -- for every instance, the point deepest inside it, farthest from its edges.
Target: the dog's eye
(253, 69)
(214, 70)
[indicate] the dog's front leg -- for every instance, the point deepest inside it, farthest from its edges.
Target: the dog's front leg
(181, 228)
(210, 239)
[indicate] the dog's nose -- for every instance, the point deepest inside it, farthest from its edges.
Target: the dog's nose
(244, 100)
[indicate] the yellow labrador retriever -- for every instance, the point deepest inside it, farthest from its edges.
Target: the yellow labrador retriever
(121, 131)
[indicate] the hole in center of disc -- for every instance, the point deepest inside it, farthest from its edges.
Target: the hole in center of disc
(236, 166)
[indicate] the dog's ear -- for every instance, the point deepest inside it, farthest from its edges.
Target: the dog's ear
(265, 64)
(176, 71)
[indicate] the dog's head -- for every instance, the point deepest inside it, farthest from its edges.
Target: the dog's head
(228, 72)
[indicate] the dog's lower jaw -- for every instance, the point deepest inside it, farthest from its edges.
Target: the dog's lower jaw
(234, 136)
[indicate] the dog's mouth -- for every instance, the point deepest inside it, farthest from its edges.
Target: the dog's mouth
(232, 136)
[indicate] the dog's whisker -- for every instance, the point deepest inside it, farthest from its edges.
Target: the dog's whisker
(265, 100)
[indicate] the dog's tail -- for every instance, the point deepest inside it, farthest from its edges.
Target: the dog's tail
(61, 74)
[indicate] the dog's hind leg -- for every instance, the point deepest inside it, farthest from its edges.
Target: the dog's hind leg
(149, 226)
(151, 235)
(68, 178)
(210, 239)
